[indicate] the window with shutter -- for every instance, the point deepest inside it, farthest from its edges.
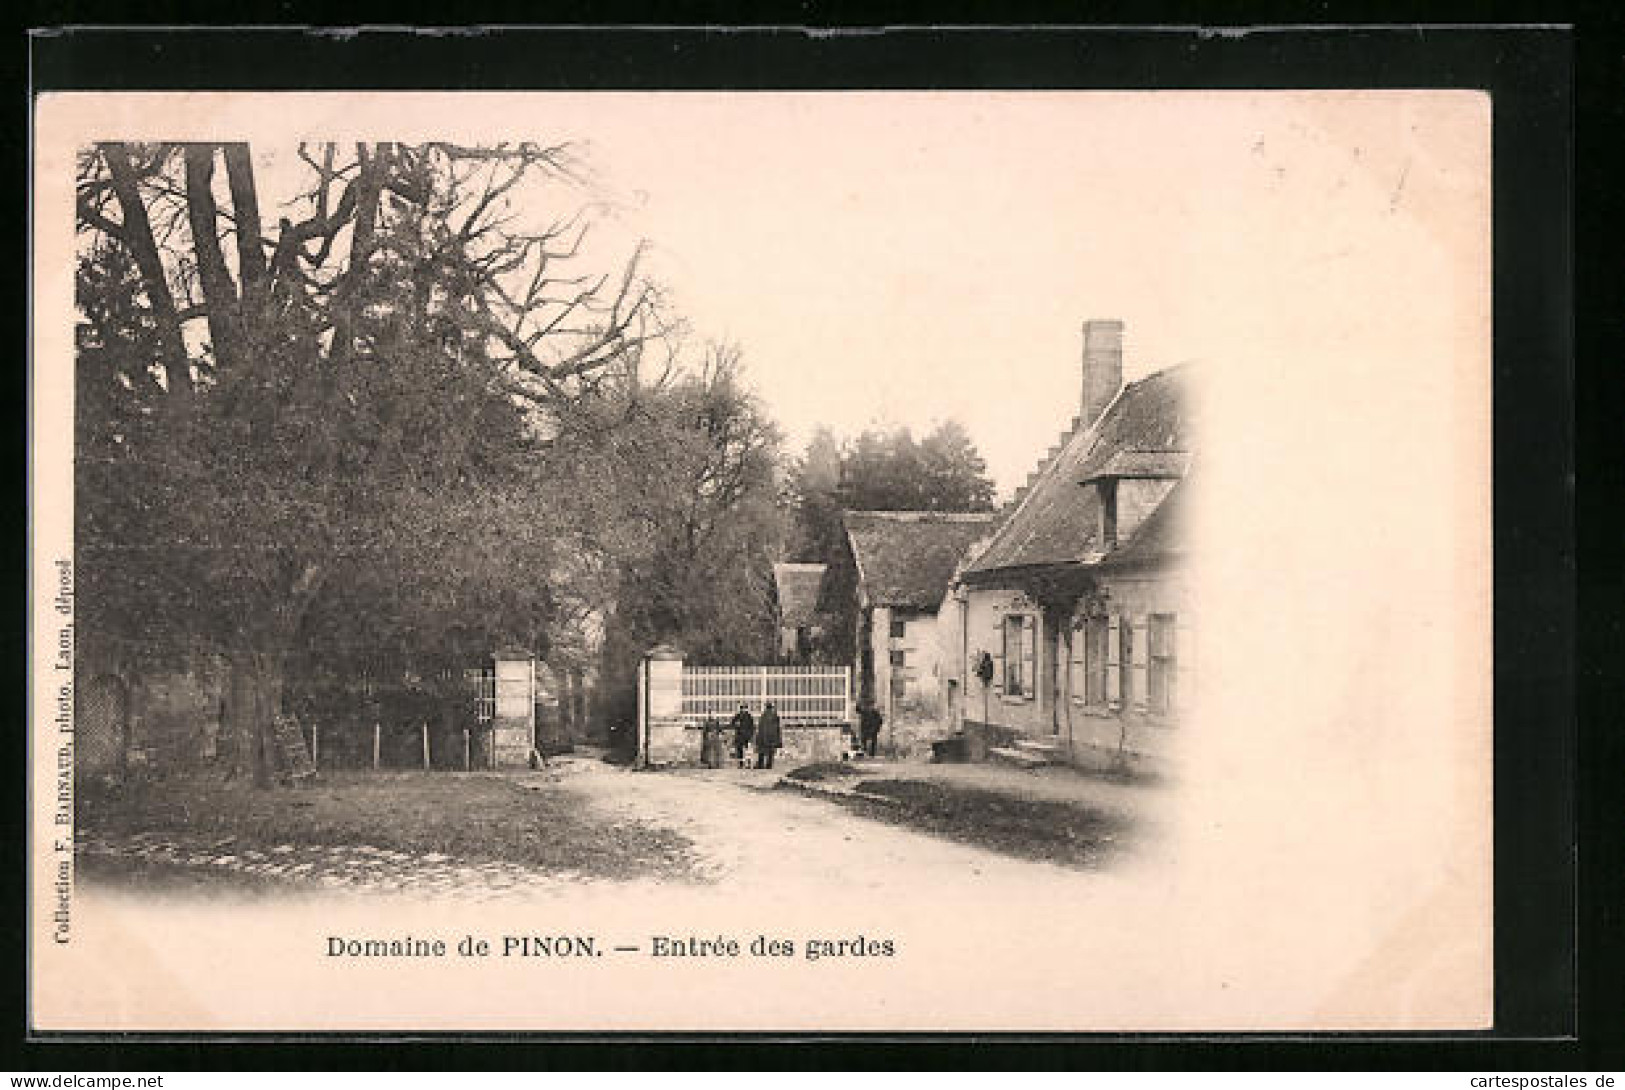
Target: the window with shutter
(1114, 660)
(1018, 656)
(1163, 665)
(1003, 657)
(1095, 661)
(1029, 656)
(1184, 668)
(1076, 672)
(1138, 645)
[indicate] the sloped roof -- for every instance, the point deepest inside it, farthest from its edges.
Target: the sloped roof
(906, 558)
(798, 586)
(1163, 535)
(1037, 471)
(1058, 519)
(1165, 464)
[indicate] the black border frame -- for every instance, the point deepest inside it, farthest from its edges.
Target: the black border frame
(1528, 71)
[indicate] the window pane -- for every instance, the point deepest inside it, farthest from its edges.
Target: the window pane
(1014, 678)
(1157, 686)
(1125, 662)
(1095, 661)
(1162, 633)
(1160, 672)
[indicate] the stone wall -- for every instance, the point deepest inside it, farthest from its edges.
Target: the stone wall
(676, 743)
(668, 739)
(514, 719)
(986, 611)
(177, 717)
(910, 737)
(1114, 735)
(1129, 735)
(1123, 741)
(982, 736)
(155, 718)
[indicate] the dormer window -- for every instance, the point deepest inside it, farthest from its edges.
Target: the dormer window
(1130, 485)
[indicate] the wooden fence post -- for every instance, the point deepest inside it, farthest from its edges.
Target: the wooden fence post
(377, 730)
(467, 767)
(425, 747)
(315, 745)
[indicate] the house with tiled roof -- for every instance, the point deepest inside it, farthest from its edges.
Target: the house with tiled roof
(1072, 617)
(896, 568)
(800, 625)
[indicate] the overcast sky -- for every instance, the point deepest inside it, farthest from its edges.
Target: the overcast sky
(901, 258)
(906, 258)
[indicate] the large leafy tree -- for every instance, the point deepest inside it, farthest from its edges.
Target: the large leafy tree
(674, 518)
(815, 500)
(952, 475)
(320, 436)
(883, 471)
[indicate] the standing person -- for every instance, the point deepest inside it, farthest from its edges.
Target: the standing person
(711, 743)
(869, 723)
(744, 728)
(768, 736)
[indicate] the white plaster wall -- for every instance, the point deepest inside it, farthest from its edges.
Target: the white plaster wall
(987, 609)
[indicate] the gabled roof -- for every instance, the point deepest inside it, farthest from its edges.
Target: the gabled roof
(1146, 428)
(798, 586)
(905, 559)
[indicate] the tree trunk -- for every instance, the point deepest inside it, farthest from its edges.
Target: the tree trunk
(350, 292)
(269, 673)
(258, 671)
(245, 208)
(237, 726)
(266, 663)
(219, 289)
(136, 233)
(254, 696)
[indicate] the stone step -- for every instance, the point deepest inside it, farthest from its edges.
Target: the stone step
(1019, 757)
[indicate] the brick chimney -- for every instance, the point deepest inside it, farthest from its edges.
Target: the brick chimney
(1102, 366)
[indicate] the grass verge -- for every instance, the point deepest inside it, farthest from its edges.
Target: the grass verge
(1054, 832)
(821, 771)
(471, 817)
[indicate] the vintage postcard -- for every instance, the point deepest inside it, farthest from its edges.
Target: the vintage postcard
(756, 561)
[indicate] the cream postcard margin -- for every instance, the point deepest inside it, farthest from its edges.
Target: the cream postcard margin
(1329, 864)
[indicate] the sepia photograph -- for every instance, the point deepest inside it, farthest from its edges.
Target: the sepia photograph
(762, 561)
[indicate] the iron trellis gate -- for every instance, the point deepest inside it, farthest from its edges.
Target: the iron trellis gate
(802, 694)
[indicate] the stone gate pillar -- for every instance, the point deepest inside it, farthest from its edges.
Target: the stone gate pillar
(513, 719)
(662, 738)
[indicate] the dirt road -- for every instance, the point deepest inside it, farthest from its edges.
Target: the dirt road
(740, 830)
(840, 919)
(745, 828)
